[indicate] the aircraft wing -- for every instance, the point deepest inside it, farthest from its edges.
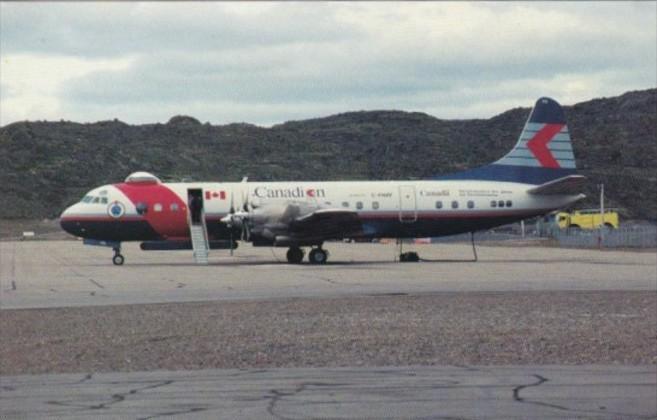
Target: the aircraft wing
(326, 223)
(571, 184)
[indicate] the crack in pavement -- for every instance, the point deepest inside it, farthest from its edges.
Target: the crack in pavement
(97, 284)
(86, 378)
(327, 279)
(335, 282)
(115, 398)
(175, 413)
(541, 380)
(275, 396)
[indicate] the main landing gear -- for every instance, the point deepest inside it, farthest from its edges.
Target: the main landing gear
(316, 256)
(294, 255)
(118, 259)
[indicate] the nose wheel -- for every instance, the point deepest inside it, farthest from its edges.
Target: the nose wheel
(118, 259)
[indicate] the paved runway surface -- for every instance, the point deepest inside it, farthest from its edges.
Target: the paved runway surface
(66, 273)
(528, 392)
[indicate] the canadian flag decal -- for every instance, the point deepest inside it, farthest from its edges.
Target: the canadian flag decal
(209, 195)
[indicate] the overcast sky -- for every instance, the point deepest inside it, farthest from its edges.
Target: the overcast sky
(267, 63)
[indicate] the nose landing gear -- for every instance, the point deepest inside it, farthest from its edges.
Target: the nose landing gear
(118, 259)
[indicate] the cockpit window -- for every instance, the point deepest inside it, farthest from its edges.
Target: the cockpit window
(94, 200)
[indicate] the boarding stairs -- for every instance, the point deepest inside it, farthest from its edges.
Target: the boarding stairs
(198, 233)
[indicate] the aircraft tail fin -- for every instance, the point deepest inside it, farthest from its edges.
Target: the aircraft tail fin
(543, 152)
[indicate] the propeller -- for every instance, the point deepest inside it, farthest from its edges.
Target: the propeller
(231, 211)
(239, 219)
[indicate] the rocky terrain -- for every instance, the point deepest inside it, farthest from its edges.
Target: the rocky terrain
(45, 166)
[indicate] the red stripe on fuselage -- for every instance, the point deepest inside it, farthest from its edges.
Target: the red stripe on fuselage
(166, 222)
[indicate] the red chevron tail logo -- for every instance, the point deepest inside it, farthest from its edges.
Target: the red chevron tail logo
(538, 145)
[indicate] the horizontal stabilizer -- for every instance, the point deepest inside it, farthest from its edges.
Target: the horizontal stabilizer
(570, 184)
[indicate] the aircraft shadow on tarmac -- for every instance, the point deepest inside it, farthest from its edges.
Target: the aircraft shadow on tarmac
(254, 263)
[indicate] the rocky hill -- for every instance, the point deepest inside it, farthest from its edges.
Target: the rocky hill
(45, 166)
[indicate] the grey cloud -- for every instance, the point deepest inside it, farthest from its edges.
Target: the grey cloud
(111, 29)
(302, 60)
(312, 71)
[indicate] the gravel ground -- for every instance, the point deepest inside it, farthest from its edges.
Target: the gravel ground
(442, 329)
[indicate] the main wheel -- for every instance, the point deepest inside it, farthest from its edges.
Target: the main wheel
(294, 255)
(317, 256)
(118, 259)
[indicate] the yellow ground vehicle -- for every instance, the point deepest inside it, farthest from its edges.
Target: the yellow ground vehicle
(586, 219)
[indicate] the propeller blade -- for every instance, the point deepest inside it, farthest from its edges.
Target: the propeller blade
(246, 231)
(245, 200)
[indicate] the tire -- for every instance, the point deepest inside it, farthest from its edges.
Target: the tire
(609, 226)
(118, 259)
(317, 256)
(409, 257)
(294, 255)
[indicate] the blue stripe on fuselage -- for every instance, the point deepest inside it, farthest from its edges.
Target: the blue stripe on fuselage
(509, 173)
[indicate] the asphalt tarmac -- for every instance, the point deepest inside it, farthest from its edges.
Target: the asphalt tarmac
(48, 274)
(41, 274)
(527, 392)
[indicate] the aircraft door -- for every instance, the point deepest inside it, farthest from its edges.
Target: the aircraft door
(195, 205)
(407, 204)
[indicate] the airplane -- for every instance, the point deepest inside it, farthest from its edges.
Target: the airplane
(536, 177)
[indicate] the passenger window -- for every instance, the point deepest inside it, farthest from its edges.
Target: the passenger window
(470, 204)
(455, 204)
(509, 203)
(493, 203)
(359, 205)
(87, 199)
(96, 200)
(103, 200)
(375, 205)
(345, 204)
(157, 207)
(439, 204)
(500, 203)
(173, 207)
